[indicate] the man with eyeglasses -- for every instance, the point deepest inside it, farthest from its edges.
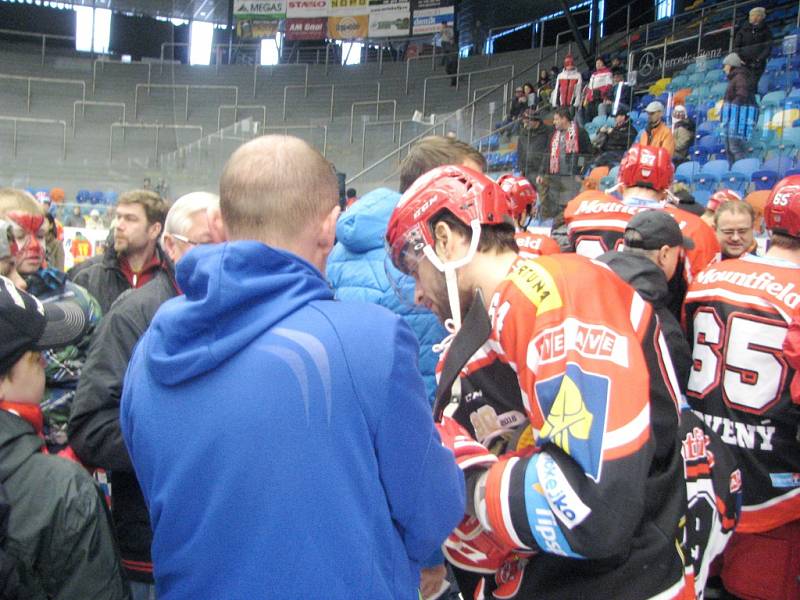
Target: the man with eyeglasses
(733, 223)
(94, 422)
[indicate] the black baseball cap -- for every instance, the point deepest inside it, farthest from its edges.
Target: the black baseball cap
(27, 324)
(657, 228)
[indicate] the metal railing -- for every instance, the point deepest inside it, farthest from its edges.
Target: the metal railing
(432, 57)
(104, 61)
(84, 103)
(287, 128)
(177, 86)
(468, 75)
(236, 108)
(17, 120)
(257, 67)
(286, 88)
(45, 80)
(43, 36)
(156, 126)
(239, 131)
(377, 104)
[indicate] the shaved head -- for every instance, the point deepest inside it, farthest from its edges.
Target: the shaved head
(273, 188)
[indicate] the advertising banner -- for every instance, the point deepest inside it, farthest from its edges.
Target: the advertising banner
(342, 8)
(306, 29)
(652, 63)
(429, 16)
(304, 9)
(257, 18)
(81, 243)
(348, 28)
(388, 18)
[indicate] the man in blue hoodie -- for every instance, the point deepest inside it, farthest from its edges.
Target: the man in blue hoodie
(283, 441)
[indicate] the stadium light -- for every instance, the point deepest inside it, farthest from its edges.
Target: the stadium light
(202, 35)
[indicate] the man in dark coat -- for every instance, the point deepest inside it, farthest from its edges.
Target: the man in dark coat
(753, 43)
(534, 143)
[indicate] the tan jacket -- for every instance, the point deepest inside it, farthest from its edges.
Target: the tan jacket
(660, 137)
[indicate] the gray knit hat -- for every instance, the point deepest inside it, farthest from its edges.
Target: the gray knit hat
(733, 60)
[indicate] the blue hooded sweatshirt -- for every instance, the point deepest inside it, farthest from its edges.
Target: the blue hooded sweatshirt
(357, 271)
(282, 439)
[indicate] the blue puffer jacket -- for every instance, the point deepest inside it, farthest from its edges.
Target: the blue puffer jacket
(356, 269)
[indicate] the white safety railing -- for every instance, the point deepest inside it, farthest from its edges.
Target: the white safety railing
(377, 104)
(16, 120)
(468, 75)
(30, 81)
(44, 37)
(236, 108)
(104, 61)
(155, 126)
(180, 86)
(286, 89)
(273, 67)
(84, 103)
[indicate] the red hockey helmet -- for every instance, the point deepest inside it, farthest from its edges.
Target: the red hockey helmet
(782, 211)
(720, 197)
(646, 166)
(521, 194)
(471, 197)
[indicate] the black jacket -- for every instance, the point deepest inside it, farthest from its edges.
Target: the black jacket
(740, 88)
(753, 43)
(59, 535)
(102, 276)
(619, 139)
(651, 283)
(533, 145)
(94, 428)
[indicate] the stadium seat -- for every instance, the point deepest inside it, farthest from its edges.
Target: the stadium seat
(706, 128)
(711, 146)
(791, 136)
(687, 170)
(764, 179)
(716, 167)
(790, 172)
(715, 76)
(779, 163)
(718, 90)
(705, 181)
(764, 83)
(746, 166)
(737, 182)
(775, 99)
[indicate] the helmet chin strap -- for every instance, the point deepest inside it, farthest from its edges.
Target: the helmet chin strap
(449, 269)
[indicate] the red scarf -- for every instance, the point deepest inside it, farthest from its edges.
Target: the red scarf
(32, 414)
(137, 279)
(571, 146)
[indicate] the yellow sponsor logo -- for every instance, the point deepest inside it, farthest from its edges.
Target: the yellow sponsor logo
(569, 416)
(537, 285)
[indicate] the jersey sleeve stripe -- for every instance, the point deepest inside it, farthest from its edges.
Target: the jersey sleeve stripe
(497, 503)
(629, 438)
(770, 514)
(637, 311)
(605, 224)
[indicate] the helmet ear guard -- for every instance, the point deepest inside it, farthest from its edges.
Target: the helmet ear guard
(782, 211)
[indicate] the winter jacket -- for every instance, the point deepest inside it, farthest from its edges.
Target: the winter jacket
(63, 367)
(619, 139)
(683, 132)
(357, 271)
(599, 86)
(753, 43)
(567, 90)
(651, 283)
(9, 578)
(293, 427)
(103, 278)
(59, 532)
(659, 136)
(532, 148)
(740, 89)
(94, 429)
(574, 164)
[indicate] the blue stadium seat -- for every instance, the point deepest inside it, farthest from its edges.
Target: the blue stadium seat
(794, 171)
(687, 170)
(707, 128)
(83, 197)
(711, 145)
(746, 166)
(705, 182)
(764, 83)
(702, 196)
(773, 99)
(779, 163)
(715, 167)
(715, 76)
(737, 182)
(764, 179)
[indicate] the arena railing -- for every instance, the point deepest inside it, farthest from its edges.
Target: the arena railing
(30, 81)
(17, 120)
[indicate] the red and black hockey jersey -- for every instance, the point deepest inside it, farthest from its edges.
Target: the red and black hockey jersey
(603, 497)
(532, 245)
(736, 316)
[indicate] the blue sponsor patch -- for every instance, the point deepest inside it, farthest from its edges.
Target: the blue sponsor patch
(785, 480)
(541, 519)
(575, 406)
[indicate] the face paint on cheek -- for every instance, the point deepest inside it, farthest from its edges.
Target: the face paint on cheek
(31, 226)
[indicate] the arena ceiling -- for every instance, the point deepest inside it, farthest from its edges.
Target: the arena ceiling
(494, 12)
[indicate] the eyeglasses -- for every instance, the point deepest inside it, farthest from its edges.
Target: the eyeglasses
(185, 240)
(737, 232)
